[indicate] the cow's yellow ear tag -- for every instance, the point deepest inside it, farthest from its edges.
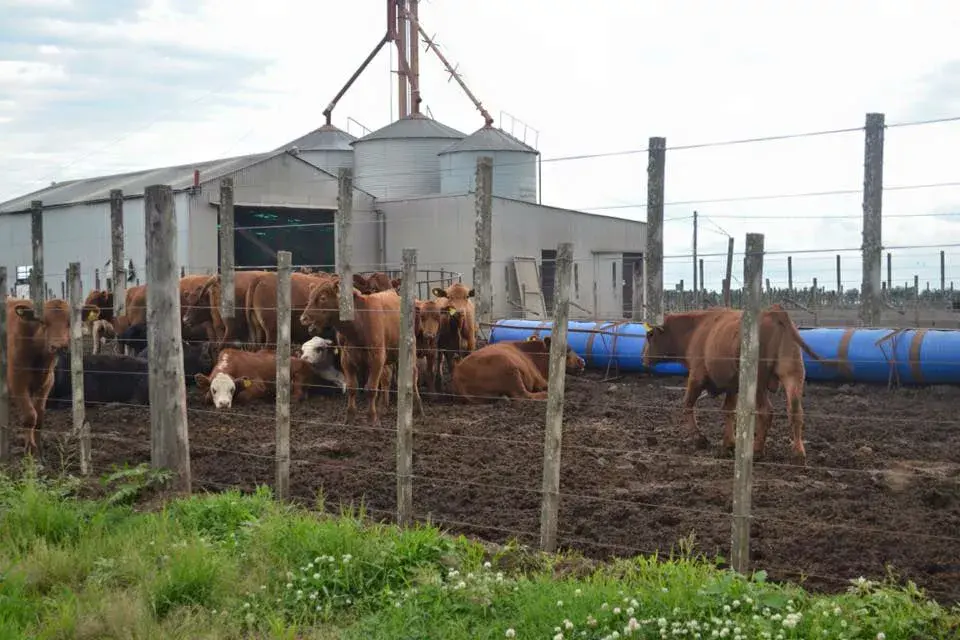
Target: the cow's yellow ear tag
(336, 351)
(247, 384)
(452, 311)
(92, 316)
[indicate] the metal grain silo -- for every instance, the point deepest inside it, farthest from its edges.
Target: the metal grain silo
(514, 165)
(327, 147)
(401, 160)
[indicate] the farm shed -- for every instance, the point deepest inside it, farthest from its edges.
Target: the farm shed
(271, 189)
(414, 184)
(525, 239)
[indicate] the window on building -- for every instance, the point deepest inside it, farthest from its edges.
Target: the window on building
(23, 272)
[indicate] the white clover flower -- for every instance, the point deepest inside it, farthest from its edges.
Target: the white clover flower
(616, 611)
(559, 636)
(559, 603)
(487, 565)
(578, 592)
(881, 636)
(510, 633)
(568, 625)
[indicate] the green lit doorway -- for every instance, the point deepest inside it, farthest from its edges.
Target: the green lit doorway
(261, 231)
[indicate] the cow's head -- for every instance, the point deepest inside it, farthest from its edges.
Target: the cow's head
(659, 346)
(361, 284)
(198, 302)
(222, 388)
(322, 354)
(323, 307)
(456, 291)
(431, 318)
(574, 363)
(395, 283)
(48, 333)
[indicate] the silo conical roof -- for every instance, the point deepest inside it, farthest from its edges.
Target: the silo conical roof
(326, 138)
(489, 139)
(413, 126)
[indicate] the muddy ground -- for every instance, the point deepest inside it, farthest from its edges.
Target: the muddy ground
(882, 486)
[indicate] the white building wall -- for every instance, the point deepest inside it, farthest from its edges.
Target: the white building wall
(81, 233)
(442, 228)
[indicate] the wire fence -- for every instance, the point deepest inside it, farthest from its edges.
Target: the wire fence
(603, 461)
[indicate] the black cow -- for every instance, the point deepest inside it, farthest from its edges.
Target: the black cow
(134, 336)
(106, 378)
(198, 357)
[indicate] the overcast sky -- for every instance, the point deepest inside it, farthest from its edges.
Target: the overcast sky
(89, 87)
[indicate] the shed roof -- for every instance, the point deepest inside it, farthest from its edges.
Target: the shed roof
(415, 125)
(326, 138)
(133, 183)
(489, 139)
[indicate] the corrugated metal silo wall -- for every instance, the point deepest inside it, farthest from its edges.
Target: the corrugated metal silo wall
(514, 173)
(399, 168)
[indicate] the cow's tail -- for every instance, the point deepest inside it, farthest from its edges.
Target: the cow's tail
(253, 324)
(783, 318)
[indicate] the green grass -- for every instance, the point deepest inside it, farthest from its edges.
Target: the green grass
(243, 566)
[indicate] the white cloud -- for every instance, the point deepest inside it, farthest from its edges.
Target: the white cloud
(169, 81)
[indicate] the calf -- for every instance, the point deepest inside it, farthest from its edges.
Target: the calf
(243, 376)
(106, 378)
(515, 369)
(708, 344)
(370, 339)
(431, 320)
(461, 338)
(32, 344)
(323, 355)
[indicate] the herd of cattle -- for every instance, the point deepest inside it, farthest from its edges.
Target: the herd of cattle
(234, 359)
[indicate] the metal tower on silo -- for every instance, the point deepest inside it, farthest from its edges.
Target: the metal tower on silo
(416, 155)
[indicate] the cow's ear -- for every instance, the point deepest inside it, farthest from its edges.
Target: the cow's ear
(546, 341)
(438, 292)
(336, 351)
(245, 383)
(26, 313)
(203, 382)
(91, 312)
(471, 293)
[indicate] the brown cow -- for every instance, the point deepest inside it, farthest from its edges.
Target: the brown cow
(516, 369)
(430, 321)
(459, 338)
(374, 282)
(708, 344)
(371, 339)
(103, 300)
(243, 376)
(202, 305)
(32, 345)
(261, 305)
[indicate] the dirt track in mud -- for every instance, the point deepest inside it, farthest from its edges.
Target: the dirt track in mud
(882, 485)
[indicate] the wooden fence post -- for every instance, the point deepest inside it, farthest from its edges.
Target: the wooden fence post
(405, 382)
(483, 231)
(747, 401)
(344, 246)
(118, 284)
(553, 433)
(943, 271)
(790, 275)
(916, 300)
(656, 174)
(38, 287)
(872, 252)
(4, 394)
(728, 280)
(840, 281)
(284, 259)
(228, 294)
(169, 437)
(636, 309)
(703, 289)
(81, 428)
(889, 272)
